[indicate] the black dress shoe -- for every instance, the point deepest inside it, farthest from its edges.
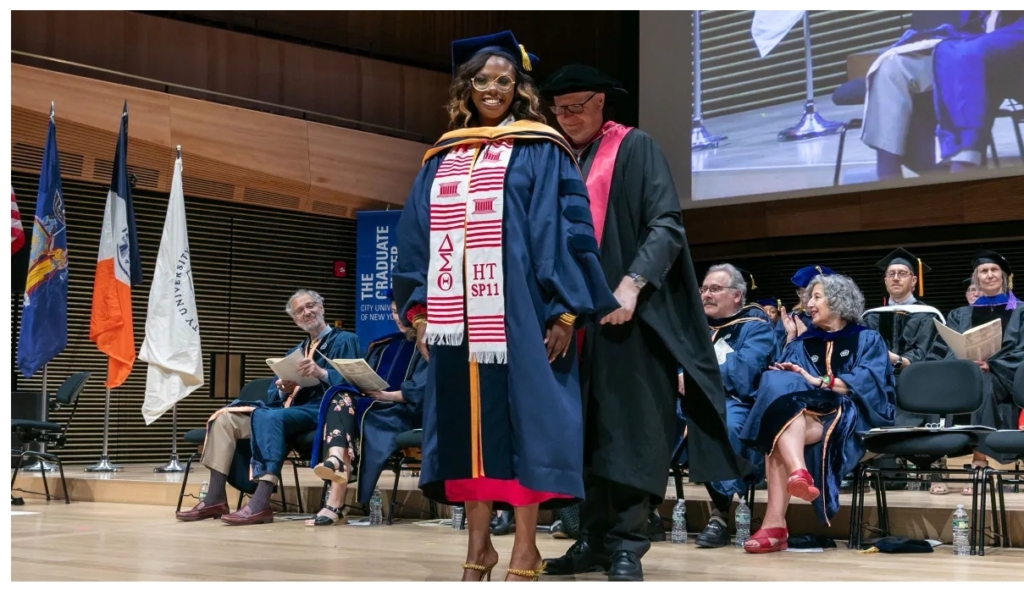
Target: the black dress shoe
(655, 528)
(502, 524)
(625, 568)
(581, 558)
(715, 535)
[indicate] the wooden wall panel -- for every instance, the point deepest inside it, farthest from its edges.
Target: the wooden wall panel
(230, 153)
(231, 61)
(172, 52)
(336, 77)
(293, 75)
(382, 91)
(33, 89)
(241, 137)
(976, 201)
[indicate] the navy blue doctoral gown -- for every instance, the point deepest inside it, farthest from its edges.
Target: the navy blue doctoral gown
(860, 358)
(384, 421)
(529, 423)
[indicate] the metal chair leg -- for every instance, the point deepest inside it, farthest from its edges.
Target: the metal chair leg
(42, 473)
(63, 481)
(298, 487)
(973, 534)
(394, 493)
(1002, 510)
(981, 512)
(184, 480)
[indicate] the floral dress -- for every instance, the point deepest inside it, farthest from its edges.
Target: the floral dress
(341, 424)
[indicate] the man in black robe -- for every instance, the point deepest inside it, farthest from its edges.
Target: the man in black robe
(905, 323)
(630, 361)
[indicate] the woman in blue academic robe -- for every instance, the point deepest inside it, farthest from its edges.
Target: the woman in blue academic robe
(994, 279)
(392, 358)
(497, 261)
(832, 382)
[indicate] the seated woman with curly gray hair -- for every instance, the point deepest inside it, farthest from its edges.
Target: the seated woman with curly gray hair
(830, 383)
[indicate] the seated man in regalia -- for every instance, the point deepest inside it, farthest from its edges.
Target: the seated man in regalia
(290, 411)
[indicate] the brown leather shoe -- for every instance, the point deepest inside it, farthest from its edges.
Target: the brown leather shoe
(246, 516)
(197, 513)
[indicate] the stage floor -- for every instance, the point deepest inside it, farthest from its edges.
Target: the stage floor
(99, 541)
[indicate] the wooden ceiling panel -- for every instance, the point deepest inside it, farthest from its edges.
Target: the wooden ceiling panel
(230, 154)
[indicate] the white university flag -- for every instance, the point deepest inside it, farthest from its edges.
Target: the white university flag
(171, 347)
(770, 26)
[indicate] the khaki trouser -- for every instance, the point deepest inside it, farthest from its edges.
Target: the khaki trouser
(222, 436)
(891, 100)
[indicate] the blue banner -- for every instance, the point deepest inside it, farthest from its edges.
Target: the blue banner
(376, 254)
(44, 319)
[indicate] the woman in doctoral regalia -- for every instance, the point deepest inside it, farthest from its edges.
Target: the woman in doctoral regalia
(496, 262)
(393, 358)
(994, 278)
(832, 382)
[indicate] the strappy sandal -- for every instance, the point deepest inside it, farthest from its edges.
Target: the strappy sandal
(485, 570)
(332, 469)
(938, 488)
(327, 520)
(768, 541)
(801, 485)
(533, 575)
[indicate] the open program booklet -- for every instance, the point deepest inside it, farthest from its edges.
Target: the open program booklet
(359, 374)
(287, 369)
(976, 344)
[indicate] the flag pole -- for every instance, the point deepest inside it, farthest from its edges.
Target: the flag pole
(44, 412)
(172, 466)
(811, 124)
(104, 465)
(700, 137)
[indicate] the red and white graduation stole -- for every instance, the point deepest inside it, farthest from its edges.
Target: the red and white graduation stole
(465, 282)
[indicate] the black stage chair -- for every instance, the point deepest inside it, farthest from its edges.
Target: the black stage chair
(408, 457)
(255, 390)
(53, 434)
(1010, 442)
(930, 388)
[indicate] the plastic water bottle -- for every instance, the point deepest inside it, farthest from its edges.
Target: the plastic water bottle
(913, 479)
(742, 519)
(961, 529)
(458, 517)
(203, 490)
(375, 508)
(679, 522)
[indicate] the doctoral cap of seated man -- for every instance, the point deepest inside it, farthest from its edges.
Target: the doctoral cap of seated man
(916, 266)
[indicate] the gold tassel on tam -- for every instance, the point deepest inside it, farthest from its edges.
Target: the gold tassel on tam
(526, 59)
(920, 278)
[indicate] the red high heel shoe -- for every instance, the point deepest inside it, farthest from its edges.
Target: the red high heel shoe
(801, 485)
(768, 541)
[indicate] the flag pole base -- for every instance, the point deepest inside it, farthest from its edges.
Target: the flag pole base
(811, 126)
(103, 466)
(172, 466)
(41, 465)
